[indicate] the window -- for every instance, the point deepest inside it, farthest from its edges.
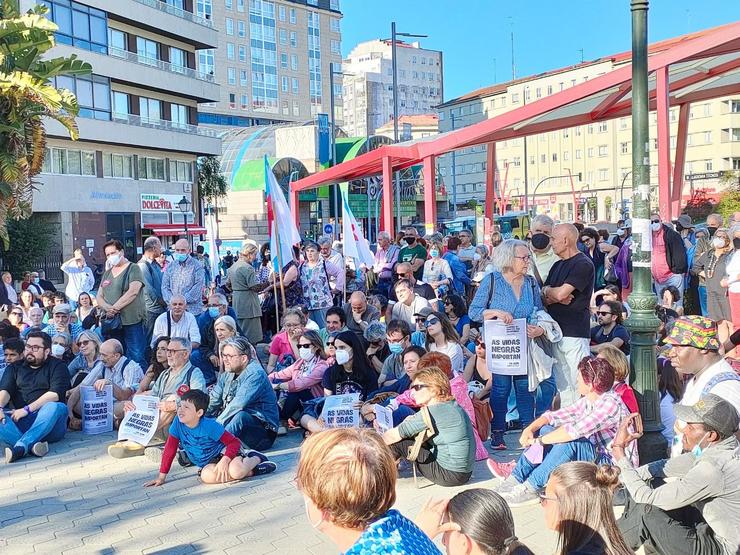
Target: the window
(590, 152)
(334, 5)
(295, 85)
(281, 13)
(206, 61)
(93, 94)
(117, 42)
(149, 109)
(242, 53)
(181, 171)
(296, 108)
(240, 5)
(603, 126)
(294, 62)
(543, 158)
(538, 92)
(118, 165)
(579, 154)
(603, 175)
(293, 39)
(566, 156)
(243, 77)
(283, 34)
(69, 162)
(708, 166)
(120, 103)
(151, 168)
(204, 9)
(179, 115)
(178, 59)
(514, 98)
(603, 150)
(517, 161)
(284, 61)
(623, 148)
(230, 50)
(147, 50)
(79, 25)
(566, 133)
(230, 5)
(242, 29)
(229, 26)
(335, 47)
(232, 76)
(335, 25)
(554, 156)
(232, 100)
(734, 134)
(284, 84)
(243, 102)
(293, 21)
(707, 136)
(735, 106)
(736, 163)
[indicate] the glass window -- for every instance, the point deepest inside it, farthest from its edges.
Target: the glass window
(230, 50)
(242, 53)
(118, 165)
(88, 163)
(232, 76)
(117, 41)
(59, 160)
(178, 58)
(281, 13)
(335, 25)
(120, 103)
(243, 77)
(295, 85)
(79, 25)
(147, 50)
(283, 34)
(284, 84)
(93, 94)
(230, 5)
(240, 5)
(293, 39)
(229, 26)
(149, 109)
(284, 61)
(294, 62)
(293, 19)
(242, 29)
(179, 115)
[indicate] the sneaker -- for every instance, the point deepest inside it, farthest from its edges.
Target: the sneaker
(263, 468)
(12, 454)
(261, 456)
(125, 449)
(513, 425)
(154, 454)
(501, 470)
(183, 459)
(40, 449)
(521, 495)
(282, 430)
(507, 485)
(497, 441)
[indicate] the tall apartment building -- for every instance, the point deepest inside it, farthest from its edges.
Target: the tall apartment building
(138, 122)
(272, 60)
(367, 92)
(601, 152)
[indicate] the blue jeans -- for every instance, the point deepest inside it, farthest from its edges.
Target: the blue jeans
(401, 414)
(500, 394)
(676, 280)
(199, 360)
(703, 299)
(48, 424)
(543, 396)
(250, 431)
(318, 315)
(134, 341)
(555, 455)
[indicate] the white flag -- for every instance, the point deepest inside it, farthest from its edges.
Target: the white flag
(354, 243)
(282, 220)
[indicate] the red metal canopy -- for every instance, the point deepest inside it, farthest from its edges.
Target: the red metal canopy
(683, 70)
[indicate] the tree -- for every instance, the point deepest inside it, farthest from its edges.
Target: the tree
(729, 200)
(212, 185)
(28, 94)
(29, 241)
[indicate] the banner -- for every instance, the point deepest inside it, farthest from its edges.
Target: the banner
(97, 409)
(340, 412)
(384, 418)
(140, 424)
(354, 243)
(283, 232)
(506, 347)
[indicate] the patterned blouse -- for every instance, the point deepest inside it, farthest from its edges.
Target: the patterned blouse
(393, 534)
(316, 287)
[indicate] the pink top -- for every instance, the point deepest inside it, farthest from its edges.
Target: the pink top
(280, 346)
(302, 375)
(459, 388)
(661, 271)
(628, 396)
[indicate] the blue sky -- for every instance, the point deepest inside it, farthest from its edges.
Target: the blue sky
(547, 34)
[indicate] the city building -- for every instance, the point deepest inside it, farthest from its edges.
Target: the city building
(138, 123)
(411, 127)
(367, 87)
(271, 61)
(598, 156)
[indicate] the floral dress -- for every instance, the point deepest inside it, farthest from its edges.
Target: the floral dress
(316, 288)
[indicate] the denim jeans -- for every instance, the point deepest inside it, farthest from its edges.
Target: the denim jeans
(555, 455)
(500, 394)
(250, 431)
(199, 360)
(543, 396)
(48, 424)
(703, 300)
(676, 280)
(134, 342)
(293, 403)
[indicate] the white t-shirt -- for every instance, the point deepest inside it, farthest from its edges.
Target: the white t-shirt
(187, 327)
(437, 270)
(454, 351)
(402, 311)
(729, 390)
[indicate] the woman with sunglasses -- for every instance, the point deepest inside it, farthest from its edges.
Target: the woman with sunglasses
(284, 346)
(477, 375)
(15, 317)
(86, 363)
(301, 381)
(442, 338)
(447, 458)
(596, 252)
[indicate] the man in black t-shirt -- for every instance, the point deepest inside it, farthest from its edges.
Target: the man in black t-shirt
(610, 329)
(567, 296)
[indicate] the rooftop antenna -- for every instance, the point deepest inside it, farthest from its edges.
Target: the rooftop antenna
(513, 66)
(581, 51)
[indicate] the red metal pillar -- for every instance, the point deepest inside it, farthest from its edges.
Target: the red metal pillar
(680, 157)
(386, 219)
(294, 207)
(490, 180)
(664, 145)
(430, 195)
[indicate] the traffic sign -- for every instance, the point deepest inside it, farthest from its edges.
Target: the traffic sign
(705, 175)
(328, 229)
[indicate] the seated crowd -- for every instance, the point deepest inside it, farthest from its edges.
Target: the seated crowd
(426, 388)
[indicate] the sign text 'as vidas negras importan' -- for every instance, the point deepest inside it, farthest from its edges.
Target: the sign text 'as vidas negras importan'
(159, 203)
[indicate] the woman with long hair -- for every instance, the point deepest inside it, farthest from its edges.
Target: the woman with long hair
(443, 338)
(457, 311)
(84, 307)
(27, 302)
(577, 502)
(671, 388)
(157, 364)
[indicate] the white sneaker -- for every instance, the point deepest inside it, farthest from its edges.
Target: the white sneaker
(506, 485)
(521, 495)
(40, 448)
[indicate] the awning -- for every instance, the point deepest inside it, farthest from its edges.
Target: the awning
(175, 229)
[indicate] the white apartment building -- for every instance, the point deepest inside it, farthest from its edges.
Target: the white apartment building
(367, 92)
(138, 122)
(601, 152)
(271, 61)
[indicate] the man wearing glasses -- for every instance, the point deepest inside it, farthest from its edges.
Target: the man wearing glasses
(36, 389)
(668, 261)
(610, 329)
(123, 373)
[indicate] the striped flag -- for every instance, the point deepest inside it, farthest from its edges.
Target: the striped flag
(280, 221)
(354, 243)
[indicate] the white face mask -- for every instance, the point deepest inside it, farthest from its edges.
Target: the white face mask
(656, 226)
(306, 353)
(620, 233)
(718, 242)
(342, 356)
(677, 446)
(57, 350)
(113, 260)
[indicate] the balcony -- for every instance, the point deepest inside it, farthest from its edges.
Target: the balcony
(131, 119)
(164, 7)
(164, 66)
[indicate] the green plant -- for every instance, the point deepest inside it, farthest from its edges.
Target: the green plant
(27, 95)
(212, 184)
(29, 240)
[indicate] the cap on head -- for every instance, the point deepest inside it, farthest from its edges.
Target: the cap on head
(694, 331)
(62, 309)
(713, 411)
(424, 312)
(684, 220)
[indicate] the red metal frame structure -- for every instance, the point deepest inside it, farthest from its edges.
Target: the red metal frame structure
(683, 70)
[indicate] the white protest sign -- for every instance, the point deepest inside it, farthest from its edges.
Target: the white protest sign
(506, 347)
(340, 412)
(140, 424)
(97, 409)
(384, 418)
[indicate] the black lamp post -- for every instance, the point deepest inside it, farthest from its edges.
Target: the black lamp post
(184, 206)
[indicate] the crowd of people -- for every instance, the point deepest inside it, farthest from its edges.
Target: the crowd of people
(238, 360)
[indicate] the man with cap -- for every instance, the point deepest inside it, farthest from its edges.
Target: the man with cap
(697, 511)
(696, 353)
(668, 260)
(60, 314)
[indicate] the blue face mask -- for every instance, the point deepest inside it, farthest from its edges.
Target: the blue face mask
(698, 449)
(395, 348)
(180, 256)
(36, 281)
(214, 312)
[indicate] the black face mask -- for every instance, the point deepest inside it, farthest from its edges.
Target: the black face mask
(736, 242)
(679, 228)
(711, 231)
(410, 240)
(540, 241)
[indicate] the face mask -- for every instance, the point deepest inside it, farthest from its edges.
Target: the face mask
(679, 228)
(434, 253)
(677, 445)
(36, 281)
(712, 230)
(342, 357)
(540, 241)
(736, 242)
(315, 525)
(114, 259)
(214, 312)
(476, 257)
(395, 348)
(698, 449)
(57, 350)
(305, 353)
(655, 226)
(410, 241)
(620, 233)
(180, 256)
(718, 242)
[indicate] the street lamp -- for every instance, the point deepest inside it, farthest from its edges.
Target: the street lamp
(184, 206)
(333, 125)
(394, 63)
(579, 175)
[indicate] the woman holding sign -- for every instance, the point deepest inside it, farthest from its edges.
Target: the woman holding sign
(515, 295)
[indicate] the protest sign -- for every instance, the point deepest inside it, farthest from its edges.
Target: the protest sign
(384, 418)
(97, 409)
(339, 411)
(506, 347)
(140, 424)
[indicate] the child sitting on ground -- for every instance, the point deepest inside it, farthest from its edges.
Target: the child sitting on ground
(621, 366)
(208, 445)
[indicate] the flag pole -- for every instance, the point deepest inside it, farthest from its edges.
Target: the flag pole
(277, 308)
(280, 263)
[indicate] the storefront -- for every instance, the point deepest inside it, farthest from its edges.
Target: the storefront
(162, 216)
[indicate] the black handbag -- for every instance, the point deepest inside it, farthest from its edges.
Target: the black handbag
(109, 325)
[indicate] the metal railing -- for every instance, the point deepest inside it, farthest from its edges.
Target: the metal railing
(173, 10)
(139, 121)
(164, 66)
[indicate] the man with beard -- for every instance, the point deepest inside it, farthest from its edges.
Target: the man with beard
(36, 387)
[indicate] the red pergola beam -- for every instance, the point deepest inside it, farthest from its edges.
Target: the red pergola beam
(680, 157)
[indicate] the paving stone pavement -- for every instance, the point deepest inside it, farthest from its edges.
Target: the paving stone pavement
(79, 500)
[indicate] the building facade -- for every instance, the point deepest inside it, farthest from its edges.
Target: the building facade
(598, 156)
(271, 61)
(367, 88)
(138, 122)
(411, 127)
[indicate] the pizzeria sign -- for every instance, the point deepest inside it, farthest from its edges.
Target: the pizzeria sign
(160, 203)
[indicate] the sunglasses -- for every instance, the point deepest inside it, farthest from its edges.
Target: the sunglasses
(480, 344)
(419, 386)
(304, 345)
(330, 343)
(83, 343)
(602, 313)
(432, 321)
(654, 221)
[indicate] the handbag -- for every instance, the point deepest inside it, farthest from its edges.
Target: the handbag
(421, 438)
(109, 325)
(483, 416)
